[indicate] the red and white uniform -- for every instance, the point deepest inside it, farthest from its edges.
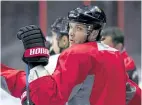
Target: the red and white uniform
(130, 66)
(15, 79)
(131, 70)
(128, 61)
(136, 98)
(73, 67)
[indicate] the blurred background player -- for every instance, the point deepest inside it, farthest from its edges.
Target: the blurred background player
(114, 37)
(60, 41)
(59, 36)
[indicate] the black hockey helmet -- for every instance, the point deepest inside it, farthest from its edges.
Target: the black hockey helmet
(60, 26)
(91, 15)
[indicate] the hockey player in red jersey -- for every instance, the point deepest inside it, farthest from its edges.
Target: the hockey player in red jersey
(114, 37)
(34, 64)
(75, 63)
(60, 40)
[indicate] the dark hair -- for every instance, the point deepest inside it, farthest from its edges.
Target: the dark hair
(116, 34)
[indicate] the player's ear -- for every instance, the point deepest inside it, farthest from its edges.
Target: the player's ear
(64, 43)
(119, 46)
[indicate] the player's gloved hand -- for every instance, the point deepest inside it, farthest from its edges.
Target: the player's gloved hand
(33, 40)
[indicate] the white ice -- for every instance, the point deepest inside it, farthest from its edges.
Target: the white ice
(7, 99)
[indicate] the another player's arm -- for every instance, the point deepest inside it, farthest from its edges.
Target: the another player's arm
(15, 80)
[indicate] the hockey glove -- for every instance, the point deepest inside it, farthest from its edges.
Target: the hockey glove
(34, 43)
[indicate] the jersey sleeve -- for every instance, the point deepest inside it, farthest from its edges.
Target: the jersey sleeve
(15, 80)
(71, 70)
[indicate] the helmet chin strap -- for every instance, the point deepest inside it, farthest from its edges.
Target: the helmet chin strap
(98, 38)
(95, 35)
(89, 31)
(91, 28)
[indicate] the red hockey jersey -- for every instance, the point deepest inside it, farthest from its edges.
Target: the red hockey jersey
(15, 79)
(128, 61)
(73, 66)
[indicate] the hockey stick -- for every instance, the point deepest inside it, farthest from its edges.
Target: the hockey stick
(27, 84)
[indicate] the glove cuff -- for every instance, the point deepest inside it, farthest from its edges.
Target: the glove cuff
(36, 52)
(37, 72)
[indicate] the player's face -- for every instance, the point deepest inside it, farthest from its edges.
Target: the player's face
(63, 41)
(55, 43)
(77, 33)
